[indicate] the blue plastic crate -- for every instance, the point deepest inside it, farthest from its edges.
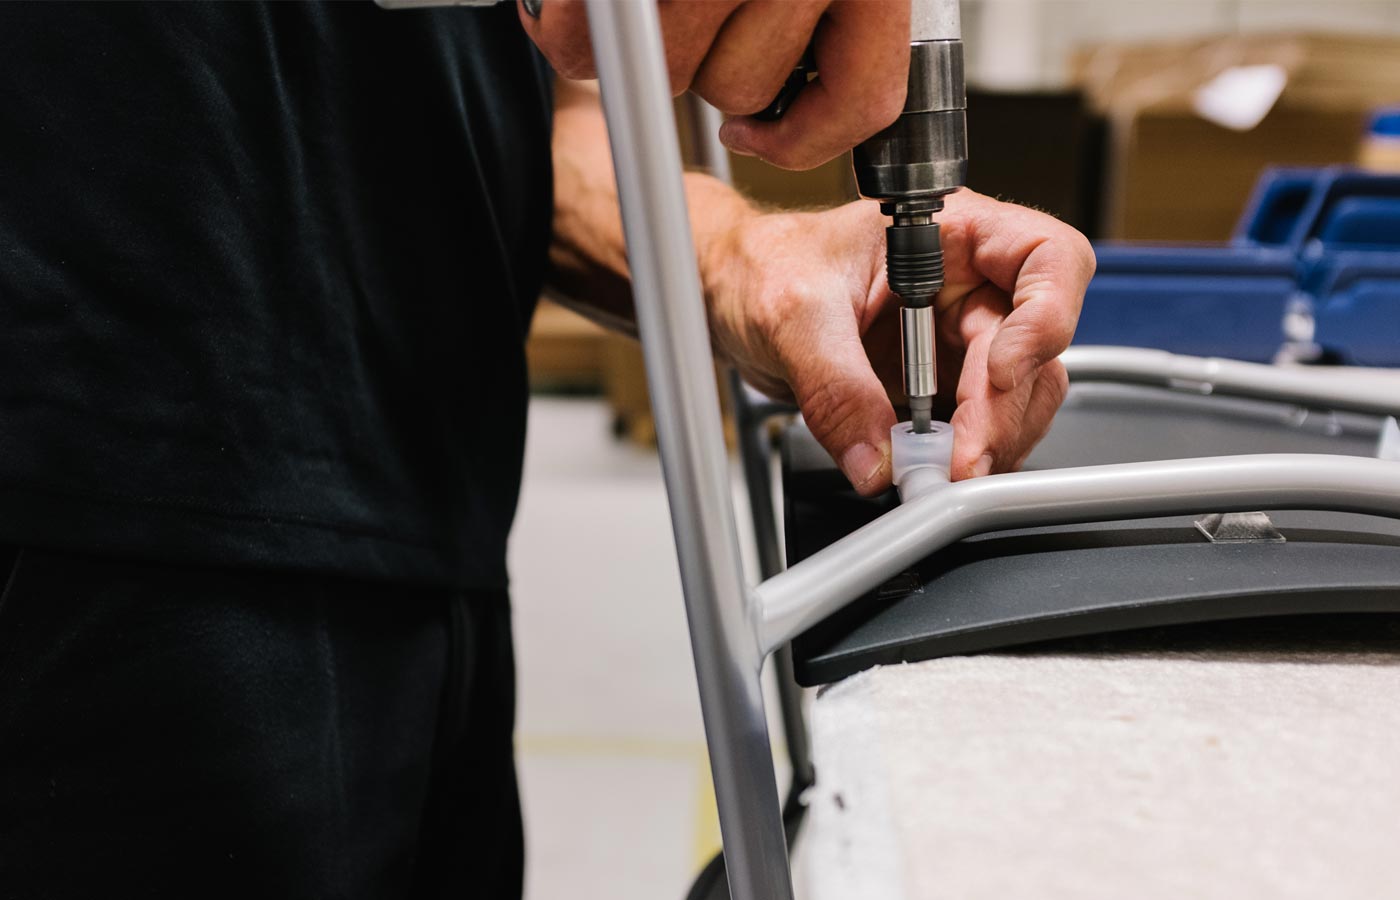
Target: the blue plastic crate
(1205, 301)
(1323, 240)
(1357, 311)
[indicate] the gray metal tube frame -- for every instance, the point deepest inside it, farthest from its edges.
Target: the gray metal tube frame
(685, 402)
(752, 412)
(1362, 391)
(825, 582)
(733, 629)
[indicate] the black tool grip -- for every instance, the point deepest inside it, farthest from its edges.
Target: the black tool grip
(802, 73)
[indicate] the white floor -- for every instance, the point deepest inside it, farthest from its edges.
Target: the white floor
(614, 775)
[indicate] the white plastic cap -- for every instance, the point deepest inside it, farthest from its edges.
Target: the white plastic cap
(910, 451)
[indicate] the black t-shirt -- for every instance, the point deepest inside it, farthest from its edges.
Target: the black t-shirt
(266, 272)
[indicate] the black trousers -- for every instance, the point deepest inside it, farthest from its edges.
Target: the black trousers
(185, 732)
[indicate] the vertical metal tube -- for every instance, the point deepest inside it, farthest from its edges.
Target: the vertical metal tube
(751, 422)
(710, 152)
(675, 342)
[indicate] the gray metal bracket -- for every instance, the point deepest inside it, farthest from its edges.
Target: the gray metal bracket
(1239, 528)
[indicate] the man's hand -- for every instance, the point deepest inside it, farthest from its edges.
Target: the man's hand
(799, 303)
(738, 53)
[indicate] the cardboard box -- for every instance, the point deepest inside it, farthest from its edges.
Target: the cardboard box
(829, 184)
(1173, 174)
(1058, 170)
(565, 350)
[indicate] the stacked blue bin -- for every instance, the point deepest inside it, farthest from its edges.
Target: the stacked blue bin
(1315, 259)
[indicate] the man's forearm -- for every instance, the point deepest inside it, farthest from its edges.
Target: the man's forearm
(588, 258)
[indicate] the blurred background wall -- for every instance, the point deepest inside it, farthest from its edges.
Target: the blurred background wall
(1028, 44)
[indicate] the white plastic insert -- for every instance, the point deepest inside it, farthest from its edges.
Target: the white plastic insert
(920, 460)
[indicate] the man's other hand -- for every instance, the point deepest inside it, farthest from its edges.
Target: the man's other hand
(737, 54)
(799, 302)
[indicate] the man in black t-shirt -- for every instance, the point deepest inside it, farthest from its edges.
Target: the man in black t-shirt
(266, 271)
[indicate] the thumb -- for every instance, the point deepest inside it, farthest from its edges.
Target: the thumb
(846, 407)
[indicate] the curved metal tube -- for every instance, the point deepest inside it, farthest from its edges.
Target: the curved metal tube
(1352, 390)
(1371, 391)
(818, 586)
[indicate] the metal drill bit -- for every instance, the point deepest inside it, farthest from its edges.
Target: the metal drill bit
(921, 414)
(920, 372)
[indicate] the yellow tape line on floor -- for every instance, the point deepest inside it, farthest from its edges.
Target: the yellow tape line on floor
(706, 840)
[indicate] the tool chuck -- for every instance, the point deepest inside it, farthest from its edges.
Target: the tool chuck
(910, 167)
(914, 269)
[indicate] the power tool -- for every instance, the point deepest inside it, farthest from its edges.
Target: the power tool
(909, 168)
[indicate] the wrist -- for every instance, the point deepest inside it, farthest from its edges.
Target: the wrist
(717, 213)
(719, 218)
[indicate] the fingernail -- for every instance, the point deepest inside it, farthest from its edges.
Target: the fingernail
(861, 463)
(983, 466)
(1023, 371)
(738, 148)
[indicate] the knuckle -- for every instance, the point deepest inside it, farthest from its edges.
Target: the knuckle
(882, 112)
(775, 315)
(766, 321)
(747, 98)
(1054, 327)
(1053, 387)
(569, 59)
(1077, 249)
(1089, 259)
(680, 78)
(684, 68)
(733, 98)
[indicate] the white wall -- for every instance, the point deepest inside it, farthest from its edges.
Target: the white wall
(1026, 44)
